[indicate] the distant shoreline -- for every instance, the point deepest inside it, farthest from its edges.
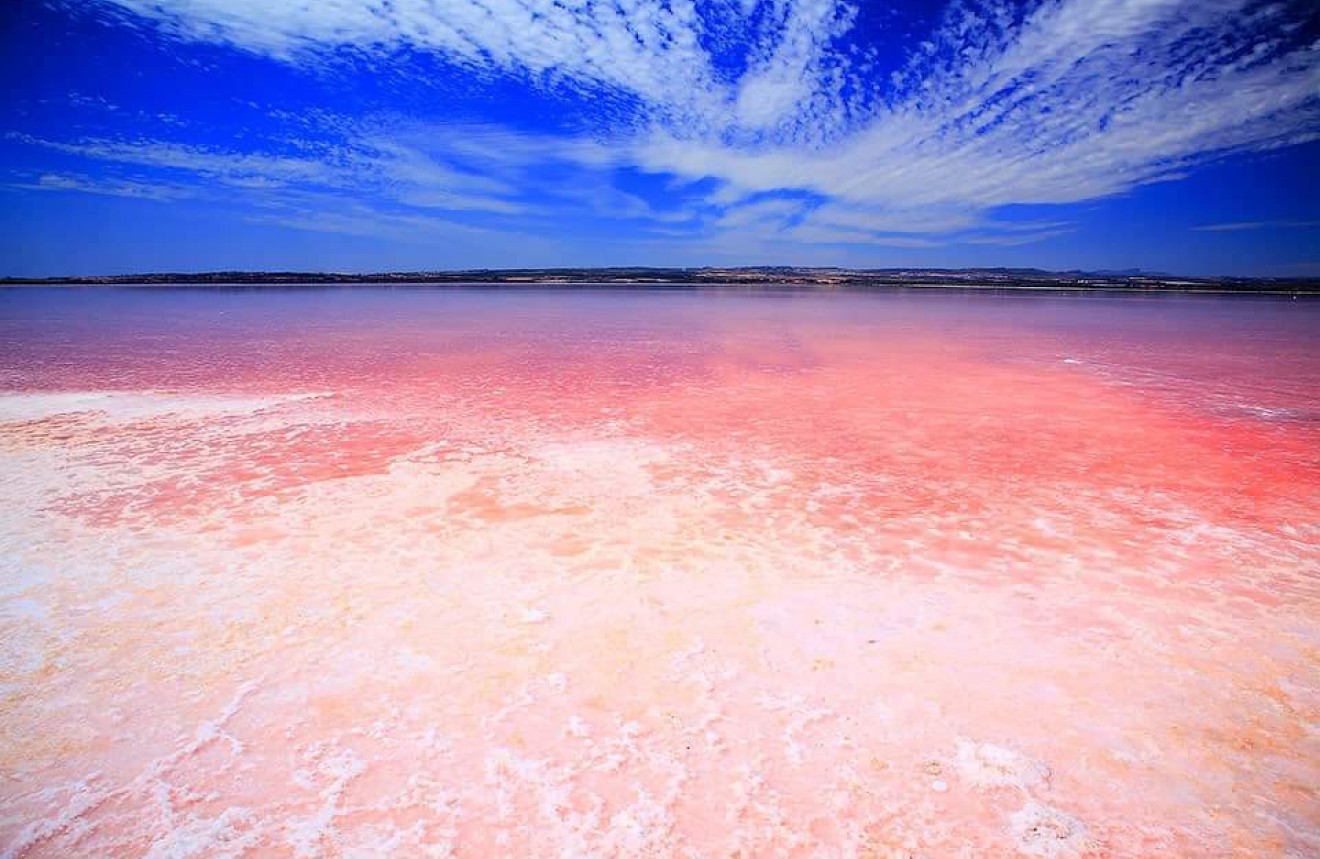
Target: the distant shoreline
(805, 278)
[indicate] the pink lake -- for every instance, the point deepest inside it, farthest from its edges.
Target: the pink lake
(634, 573)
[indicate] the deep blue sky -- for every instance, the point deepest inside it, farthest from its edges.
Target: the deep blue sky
(153, 135)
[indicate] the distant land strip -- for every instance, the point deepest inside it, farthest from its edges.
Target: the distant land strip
(967, 278)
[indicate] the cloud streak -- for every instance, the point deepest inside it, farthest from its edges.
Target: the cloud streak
(1241, 226)
(104, 187)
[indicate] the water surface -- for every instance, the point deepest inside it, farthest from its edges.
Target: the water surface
(608, 572)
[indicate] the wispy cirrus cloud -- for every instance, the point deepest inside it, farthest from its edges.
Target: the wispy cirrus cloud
(1240, 226)
(138, 190)
(771, 112)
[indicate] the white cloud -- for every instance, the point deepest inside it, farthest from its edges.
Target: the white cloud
(645, 48)
(893, 219)
(772, 213)
(103, 187)
(813, 234)
(1014, 239)
(242, 169)
(319, 215)
(1240, 226)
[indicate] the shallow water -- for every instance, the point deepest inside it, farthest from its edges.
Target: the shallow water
(505, 572)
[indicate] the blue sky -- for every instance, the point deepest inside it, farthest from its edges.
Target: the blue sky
(366, 135)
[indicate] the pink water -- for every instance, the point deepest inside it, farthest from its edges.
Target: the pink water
(659, 573)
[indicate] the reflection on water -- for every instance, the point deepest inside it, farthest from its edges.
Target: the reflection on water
(657, 572)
